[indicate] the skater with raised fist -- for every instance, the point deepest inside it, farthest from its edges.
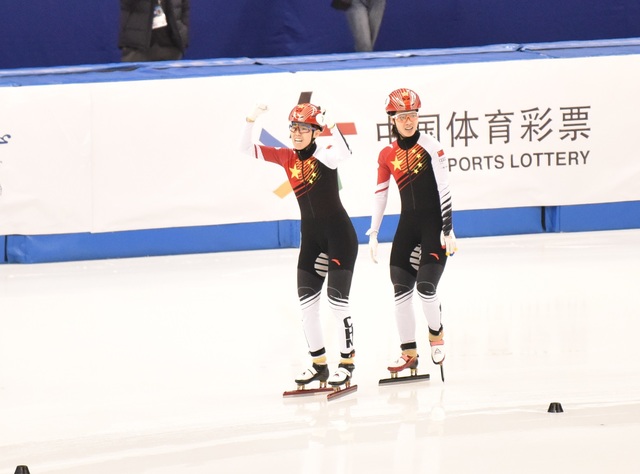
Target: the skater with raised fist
(328, 246)
(424, 237)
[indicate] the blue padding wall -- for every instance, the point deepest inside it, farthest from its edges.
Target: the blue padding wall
(250, 236)
(286, 234)
(87, 246)
(612, 216)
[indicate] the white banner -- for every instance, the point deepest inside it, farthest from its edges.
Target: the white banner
(45, 159)
(164, 153)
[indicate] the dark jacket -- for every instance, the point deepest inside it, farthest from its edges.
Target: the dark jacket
(136, 17)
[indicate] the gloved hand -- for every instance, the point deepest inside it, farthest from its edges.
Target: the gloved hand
(448, 243)
(325, 120)
(257, 112)
(373, 246)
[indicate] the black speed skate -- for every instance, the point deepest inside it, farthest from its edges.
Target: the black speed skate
(319, 372)
(342, 376)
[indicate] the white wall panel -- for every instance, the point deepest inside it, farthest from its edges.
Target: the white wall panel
(164, 153)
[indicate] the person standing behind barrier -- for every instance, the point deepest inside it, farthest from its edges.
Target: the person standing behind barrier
(153, 30)
(328, 243)
(424, 237)
(365, 18)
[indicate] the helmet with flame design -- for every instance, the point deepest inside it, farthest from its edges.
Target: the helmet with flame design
(402, 100)
(309, 114)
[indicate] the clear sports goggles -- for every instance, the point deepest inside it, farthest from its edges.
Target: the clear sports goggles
(300, 127)
(404, 116)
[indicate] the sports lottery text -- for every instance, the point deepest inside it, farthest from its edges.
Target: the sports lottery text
(523, 160)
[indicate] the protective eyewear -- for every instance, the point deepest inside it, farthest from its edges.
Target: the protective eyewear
(300, 127)
(402, 117)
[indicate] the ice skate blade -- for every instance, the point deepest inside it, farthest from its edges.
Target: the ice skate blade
(406, 379)
(338, 392)
(306, 392)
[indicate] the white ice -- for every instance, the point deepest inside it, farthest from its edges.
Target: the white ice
(177, 364)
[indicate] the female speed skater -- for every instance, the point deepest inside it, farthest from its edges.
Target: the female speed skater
(329, 244)
(424, 237)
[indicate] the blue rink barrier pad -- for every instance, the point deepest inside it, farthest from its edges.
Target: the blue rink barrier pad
(149, 242)
(286, 234)
(591, 217)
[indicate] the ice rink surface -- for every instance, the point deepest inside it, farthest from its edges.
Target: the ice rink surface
(178, 364)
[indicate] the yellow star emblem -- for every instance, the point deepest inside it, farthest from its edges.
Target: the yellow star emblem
(295, 172)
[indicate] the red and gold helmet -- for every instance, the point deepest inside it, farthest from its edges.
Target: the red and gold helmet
(307, 113)
(402, 100)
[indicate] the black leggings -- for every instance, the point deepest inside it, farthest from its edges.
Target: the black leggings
(416, 253)
(328, 247)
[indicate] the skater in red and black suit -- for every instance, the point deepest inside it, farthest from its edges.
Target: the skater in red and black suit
(329, 244)
(424, 237)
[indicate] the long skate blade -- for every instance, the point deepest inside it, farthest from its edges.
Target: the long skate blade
(408, 378)
(306, 391)
(341, 392)
(442, 371)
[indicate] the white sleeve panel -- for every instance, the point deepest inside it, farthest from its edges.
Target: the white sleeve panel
(441, 172)
(379, 205)
(336, 151)
(247, 147)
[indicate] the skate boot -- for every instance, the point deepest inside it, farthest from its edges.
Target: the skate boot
(342, 376)
(408, 360)
(437, 346)
(318, 372)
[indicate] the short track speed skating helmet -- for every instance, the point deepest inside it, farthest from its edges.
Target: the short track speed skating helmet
(402, 100)
(307, 113)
